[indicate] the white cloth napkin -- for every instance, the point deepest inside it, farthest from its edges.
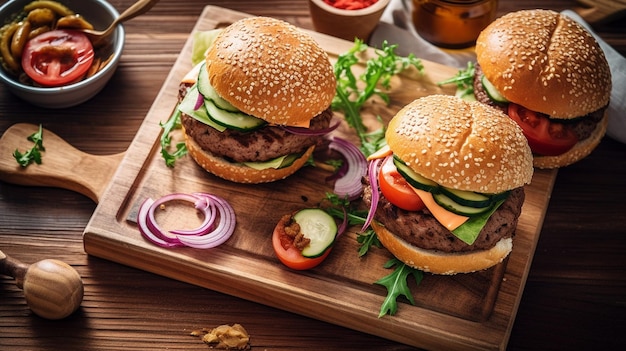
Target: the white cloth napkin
(395, 28)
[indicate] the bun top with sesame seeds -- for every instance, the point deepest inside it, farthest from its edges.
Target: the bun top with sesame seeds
(270, 69)
(546, 62)
(461, 144)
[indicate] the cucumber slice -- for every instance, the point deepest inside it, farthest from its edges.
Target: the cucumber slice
(206, 89)
(446, 202)
(416, 180)
(467, 95)
(467, 198)
(493, 93)
(187, 106)
(500, 196)
(233, 120)
(319, 227)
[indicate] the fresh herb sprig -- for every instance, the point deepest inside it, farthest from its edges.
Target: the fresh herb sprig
(397, 284)
(353, 92)
(464, 80)
(367, 238)
(166, 140)
(34, 154)
(349, 99)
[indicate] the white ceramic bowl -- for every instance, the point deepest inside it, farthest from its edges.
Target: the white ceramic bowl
(100, 13)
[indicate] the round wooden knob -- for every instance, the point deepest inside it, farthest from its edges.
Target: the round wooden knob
(53, 289)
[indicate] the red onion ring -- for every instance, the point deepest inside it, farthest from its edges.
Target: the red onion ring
(146, 231)
(207, 235)
(350, 184)
(344, 224)
(372, 174)
(219, 234)
(310, 132)
(199, 102)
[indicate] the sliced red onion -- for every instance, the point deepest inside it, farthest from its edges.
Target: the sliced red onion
(147, 231)
(343, 169)
(219, 234)
(207, 235)
(310, 132)
(207, 207)
(372, 174)
(199, 102)
(350, 184)
(344, 224)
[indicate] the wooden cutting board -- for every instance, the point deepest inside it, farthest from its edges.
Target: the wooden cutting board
(464, 312)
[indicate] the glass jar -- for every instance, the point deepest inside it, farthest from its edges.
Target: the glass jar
(453, 24)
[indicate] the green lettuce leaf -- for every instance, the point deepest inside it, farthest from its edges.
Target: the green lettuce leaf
(202, 41)
(468, 231)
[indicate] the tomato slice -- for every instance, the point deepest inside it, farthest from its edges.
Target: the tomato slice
(290, 256)
(396, 189)
(57, 57)
(544, 137)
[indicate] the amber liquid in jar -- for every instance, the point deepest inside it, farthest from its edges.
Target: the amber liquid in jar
(452, 24)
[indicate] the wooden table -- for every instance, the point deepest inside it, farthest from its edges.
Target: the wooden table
(575, 295)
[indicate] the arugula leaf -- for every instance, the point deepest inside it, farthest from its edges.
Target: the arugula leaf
(349, 97)
(34, 154)
(396, 284)
(368, 238)
(166, 140)
(464, 80)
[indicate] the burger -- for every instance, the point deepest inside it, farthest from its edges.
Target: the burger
(255, 109)
(549, 75)
(449, 191)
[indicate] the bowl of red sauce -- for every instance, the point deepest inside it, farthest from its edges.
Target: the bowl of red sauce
(45, 61)
(347, 19)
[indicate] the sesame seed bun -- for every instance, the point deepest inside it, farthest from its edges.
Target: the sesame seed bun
(443, 263)
(270, 69)
(461, 144)
(239, 173)
(546, 62)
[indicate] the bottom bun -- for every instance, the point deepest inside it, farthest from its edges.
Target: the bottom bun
(438, 262)
(239, 173)
(575, 154)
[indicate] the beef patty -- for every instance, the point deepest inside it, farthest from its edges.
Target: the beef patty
(421, 229)
(259, 145)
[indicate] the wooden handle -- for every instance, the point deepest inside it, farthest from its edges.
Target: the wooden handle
(62, 166)
(52, 288)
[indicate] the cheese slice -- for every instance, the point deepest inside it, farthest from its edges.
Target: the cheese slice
(302, 124)
(380, 153)
(192, 76)
(446, 218)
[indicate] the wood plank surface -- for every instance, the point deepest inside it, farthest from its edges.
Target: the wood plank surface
(574, 296)
(341, 290)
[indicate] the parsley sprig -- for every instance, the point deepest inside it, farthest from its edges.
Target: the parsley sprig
(350, 96)
(397, 284)
(368, 238)
(166, 140)
(349, 99)
(34, 154)
(464, 80)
